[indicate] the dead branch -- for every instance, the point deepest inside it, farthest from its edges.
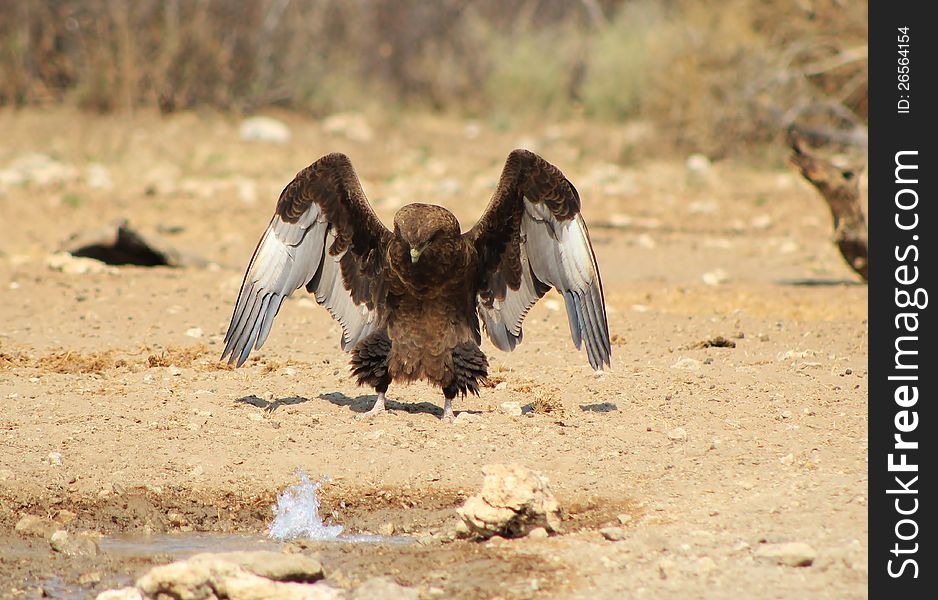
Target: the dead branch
(841, 189)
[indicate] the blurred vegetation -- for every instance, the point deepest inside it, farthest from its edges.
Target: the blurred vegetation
(713, 77)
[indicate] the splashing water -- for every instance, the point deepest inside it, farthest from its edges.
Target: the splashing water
(296, 514)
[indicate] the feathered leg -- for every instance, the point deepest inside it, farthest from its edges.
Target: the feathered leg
(370, 366)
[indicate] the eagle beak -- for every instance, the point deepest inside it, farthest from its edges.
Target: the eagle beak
(414, 255)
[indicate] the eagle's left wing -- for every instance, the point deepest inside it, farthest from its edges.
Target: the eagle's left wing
(325, 236)
(531, 238)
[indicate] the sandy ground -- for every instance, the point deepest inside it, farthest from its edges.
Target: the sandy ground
(115, 407)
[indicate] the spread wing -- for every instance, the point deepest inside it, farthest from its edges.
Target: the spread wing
(325, 236)
(532, 238)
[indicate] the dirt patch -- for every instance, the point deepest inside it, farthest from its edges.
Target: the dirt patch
(117, 408)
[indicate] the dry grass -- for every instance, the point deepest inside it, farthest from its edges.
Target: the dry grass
(712, 77)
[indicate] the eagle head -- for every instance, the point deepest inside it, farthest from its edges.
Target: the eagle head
(422, 227)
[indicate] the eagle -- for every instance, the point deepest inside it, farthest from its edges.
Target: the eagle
(410, 300)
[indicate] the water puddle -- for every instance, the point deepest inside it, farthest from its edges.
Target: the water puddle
(296, 517)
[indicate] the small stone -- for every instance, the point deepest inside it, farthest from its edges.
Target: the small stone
(512, 409)
(91, 578)
(264, 129)
(624, 519)
(35, 526)
(787, 460)
(677, 434)
(55, 459)
(715, 277)
(687, 364)
(387, 529)
(613, 534)
(698, 163)
(64, 517)
(98, 177)
(195, 332)
(466, 417)
(791, 554)
(538, 533)
(761, 222)
(59, 540)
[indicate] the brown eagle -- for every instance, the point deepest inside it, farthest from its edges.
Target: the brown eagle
(410, 300)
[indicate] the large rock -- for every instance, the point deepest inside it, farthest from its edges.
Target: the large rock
(513, 501)
(274, 565)
(230, 576)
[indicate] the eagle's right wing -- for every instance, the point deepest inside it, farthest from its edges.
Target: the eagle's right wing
(531, 238)
(325, 236)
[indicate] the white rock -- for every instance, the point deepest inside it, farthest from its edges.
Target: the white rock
(613, 534)
(761, 222)
(76, 265)
(677, 434)
(646, 241)
(698, 163)
(247, 190)
(552, 305)
(39, 170)
(242, 575)
(264, 129)
(513, 501)
(687, 364)
(715, 277)
(55, 459)
(510, 408)
(98, 177)
(195, 332)
(703, 207)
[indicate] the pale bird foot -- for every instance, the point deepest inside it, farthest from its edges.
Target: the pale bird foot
(378, 408)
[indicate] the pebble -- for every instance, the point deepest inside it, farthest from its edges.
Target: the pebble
(35, 526)
(624, 519)
(687, 364)
(715, 277)
(195, 332)
(55, 459)
(59, 540)
(698, 163)
(791, 554)
(264, 129)
(512, 409)
(613, 534)
(538, 533)
(677, 434)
